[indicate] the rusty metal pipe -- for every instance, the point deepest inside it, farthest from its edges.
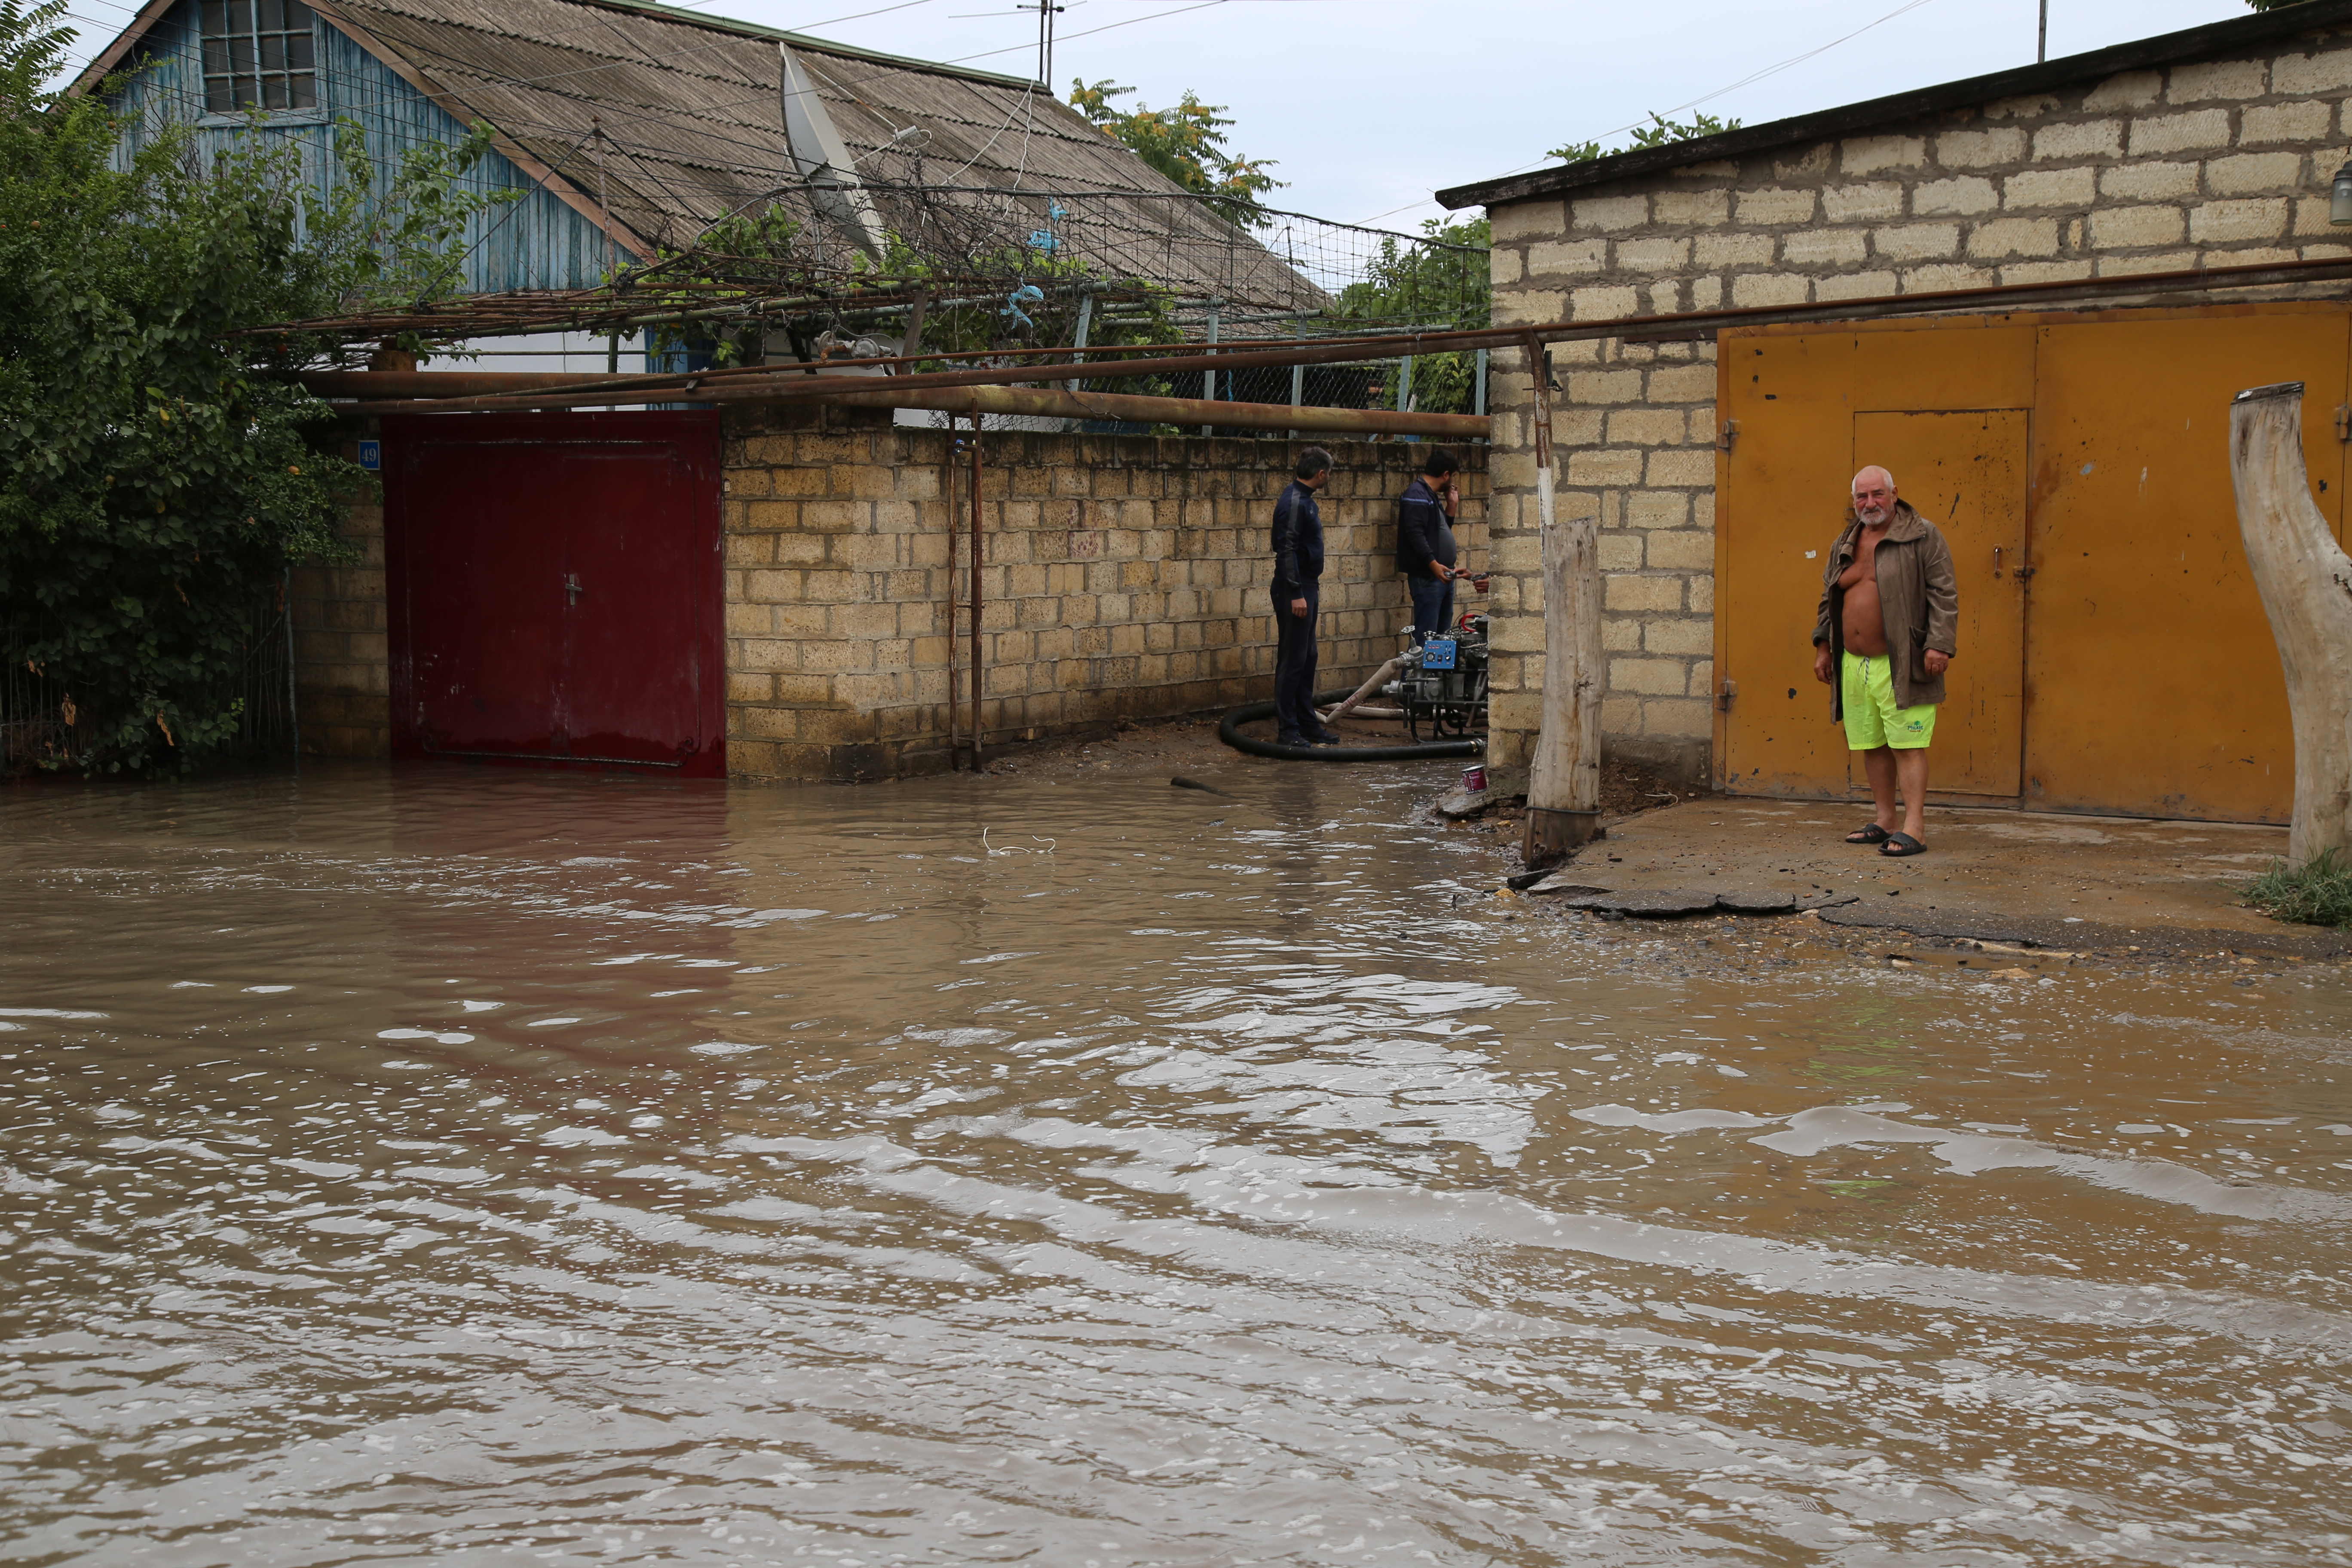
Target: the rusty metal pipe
(767, 383)
(955, 681)
(976, 666)
(1056, 404)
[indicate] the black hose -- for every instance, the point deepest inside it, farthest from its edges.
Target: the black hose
(1229, 731)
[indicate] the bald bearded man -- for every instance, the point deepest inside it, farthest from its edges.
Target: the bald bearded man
(1886, 629)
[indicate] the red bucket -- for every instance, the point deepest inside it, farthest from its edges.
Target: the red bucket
(1475, 779)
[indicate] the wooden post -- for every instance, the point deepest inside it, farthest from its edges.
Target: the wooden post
(1564, 774)
(2305, 582)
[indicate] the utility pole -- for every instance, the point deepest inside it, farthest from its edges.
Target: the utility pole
(2042, 38)
(1046, 12)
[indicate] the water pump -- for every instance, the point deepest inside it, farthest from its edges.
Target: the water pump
(1443, 683)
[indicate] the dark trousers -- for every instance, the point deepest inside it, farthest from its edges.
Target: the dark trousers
(1431, 600)
(1294, 663)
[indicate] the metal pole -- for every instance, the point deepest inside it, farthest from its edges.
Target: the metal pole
(2042, 38)
(975, 606)
(1079, 339)
(955, 670)
(1209, 376)
(1298, 391)
(293, 715)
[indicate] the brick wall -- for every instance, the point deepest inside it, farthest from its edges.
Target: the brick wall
(2222, 162)
(1122, 575)
(343, 680)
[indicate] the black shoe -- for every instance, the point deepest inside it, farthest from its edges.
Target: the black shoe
(1291, 738)
(1325, 738)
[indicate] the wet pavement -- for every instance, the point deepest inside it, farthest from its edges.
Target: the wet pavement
(2123, 884)
(494, 1166)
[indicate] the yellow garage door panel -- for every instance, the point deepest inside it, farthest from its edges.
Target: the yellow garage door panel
(2132, 655)
(2154, 683)
(1966, 473)
(1783, 495)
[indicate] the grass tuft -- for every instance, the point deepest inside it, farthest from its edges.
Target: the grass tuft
(2316, 893)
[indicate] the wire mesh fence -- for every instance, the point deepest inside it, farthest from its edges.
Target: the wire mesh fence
(42, 724)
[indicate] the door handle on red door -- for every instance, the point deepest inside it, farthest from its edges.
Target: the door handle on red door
(1995, 560)
(571, 588)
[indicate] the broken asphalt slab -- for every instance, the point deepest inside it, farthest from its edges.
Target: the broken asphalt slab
(2005, 878)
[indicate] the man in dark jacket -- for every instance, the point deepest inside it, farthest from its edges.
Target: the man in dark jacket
(1425, 514)
(1298, 574)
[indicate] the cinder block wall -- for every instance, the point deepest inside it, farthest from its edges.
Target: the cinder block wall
(1121, 576)
(342, 670)
(2222, 162)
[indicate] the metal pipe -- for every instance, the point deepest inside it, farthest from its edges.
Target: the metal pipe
(1478, 384)
(976, 666)
(955, 670)
(1209, 376)
(873, 393)
(719, 385)
(293, 713)
(912, 343)
(1078, 340)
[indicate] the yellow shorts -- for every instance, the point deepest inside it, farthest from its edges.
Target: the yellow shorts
(1871, 720)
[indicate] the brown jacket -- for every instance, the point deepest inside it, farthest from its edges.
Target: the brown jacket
(1917, 596)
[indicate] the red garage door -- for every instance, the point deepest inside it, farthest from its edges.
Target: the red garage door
(554, 588)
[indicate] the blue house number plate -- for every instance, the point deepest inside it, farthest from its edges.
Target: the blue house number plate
(371, 454)
(1437, 653)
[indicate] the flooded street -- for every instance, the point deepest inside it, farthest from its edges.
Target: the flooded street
(495, 1166)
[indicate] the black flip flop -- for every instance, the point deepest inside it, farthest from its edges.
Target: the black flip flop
(1899, 845)
(1873, 833)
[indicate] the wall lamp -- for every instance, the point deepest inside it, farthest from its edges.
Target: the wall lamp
(2339, 199)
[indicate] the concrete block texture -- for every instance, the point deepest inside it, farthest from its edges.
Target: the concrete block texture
(1868, 154)
(2079, 139)
(1962, 194)
(1980, 149)
(2195, 129)
(2070, 188)
(1765, 207)
(2246, 172)
(2232, 222)
(838, 648)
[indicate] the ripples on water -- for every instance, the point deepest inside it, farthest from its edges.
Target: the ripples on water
(492, 1166)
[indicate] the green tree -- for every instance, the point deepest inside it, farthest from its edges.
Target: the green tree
(155, 474)
(1444, 283)
(1187, 144)
(1661, 131)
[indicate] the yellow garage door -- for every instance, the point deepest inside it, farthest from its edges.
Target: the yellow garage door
(2113, 654)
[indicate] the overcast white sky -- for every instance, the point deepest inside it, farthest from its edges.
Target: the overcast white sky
(1369, 105)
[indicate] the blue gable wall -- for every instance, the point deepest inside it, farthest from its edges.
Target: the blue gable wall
(538, 242)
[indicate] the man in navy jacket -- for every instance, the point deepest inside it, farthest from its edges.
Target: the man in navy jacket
(1425, 514)
(1297, 573)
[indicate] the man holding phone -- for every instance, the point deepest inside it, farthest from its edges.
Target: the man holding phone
(1425, 548)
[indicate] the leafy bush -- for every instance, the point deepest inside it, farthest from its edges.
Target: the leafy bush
(1659, 132)
(155, 474)
(2316, 893)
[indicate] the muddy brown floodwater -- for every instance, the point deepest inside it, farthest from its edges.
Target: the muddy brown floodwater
(491, 1167)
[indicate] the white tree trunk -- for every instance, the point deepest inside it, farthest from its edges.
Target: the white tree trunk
(2305, 582)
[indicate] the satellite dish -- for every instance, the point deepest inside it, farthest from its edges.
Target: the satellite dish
(821, 160)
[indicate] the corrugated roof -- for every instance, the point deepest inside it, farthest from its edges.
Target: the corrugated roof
(694, 131)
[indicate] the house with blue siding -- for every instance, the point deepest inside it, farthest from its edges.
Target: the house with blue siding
(630, 127)
(293, 71)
